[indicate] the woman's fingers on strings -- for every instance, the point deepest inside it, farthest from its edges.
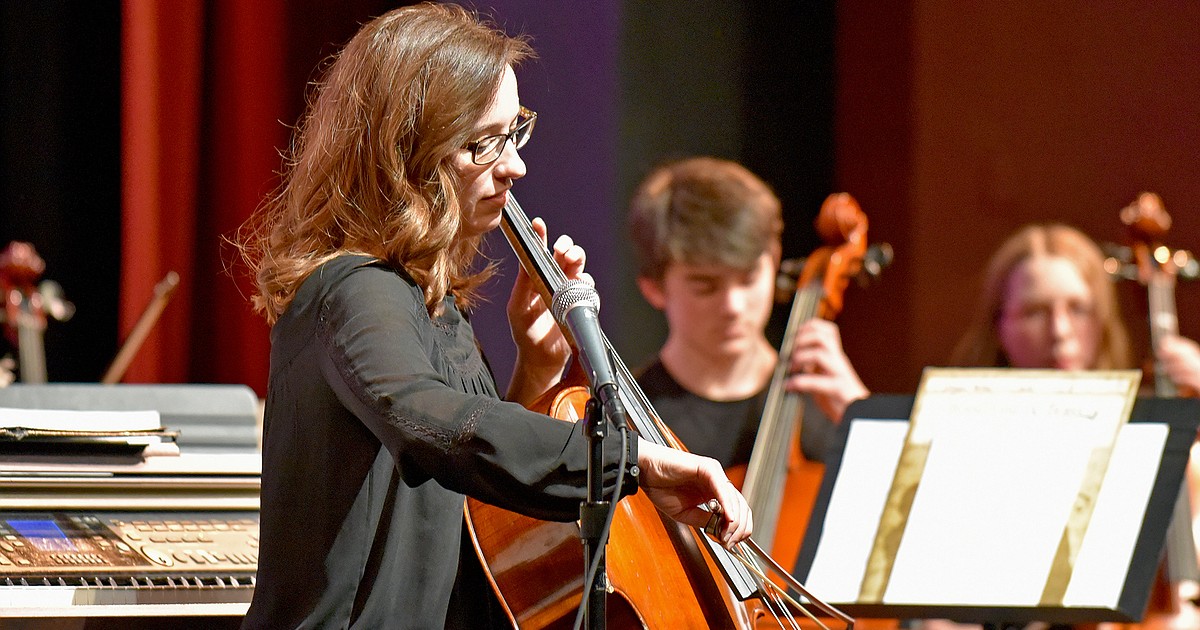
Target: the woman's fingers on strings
(713, 526)
(570, 257)
(539, 227)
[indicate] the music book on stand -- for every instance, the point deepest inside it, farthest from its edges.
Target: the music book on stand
(62, 431)
(997, 495)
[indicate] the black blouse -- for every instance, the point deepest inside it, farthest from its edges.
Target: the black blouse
(379, 419)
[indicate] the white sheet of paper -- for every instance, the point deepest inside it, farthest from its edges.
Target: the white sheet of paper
(852, 518)
(1104, 558)
(864, 478)
(75, 420)
(989, 514)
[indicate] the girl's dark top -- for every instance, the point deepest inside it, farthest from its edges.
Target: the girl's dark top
(378, 420)
(725, 430)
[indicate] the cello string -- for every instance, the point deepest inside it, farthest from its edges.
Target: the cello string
(774, 596)
(772, 604)
(765, 582)
(779, 594)
(775, 604)
(767, 473)
(794, 583)
(520, 223)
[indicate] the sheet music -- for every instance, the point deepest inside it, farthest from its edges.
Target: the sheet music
(994, 495)
(869, 461)
(852, 518)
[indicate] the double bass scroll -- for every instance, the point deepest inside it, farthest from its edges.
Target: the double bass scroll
(28, 305)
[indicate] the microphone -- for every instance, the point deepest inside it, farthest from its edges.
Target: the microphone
(577, 306)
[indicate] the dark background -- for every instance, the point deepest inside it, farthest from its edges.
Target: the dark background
(952, 126)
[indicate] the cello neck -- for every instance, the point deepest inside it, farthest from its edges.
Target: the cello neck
(1157, 268)
(819, 293)
(30, 346)
(763, 487)
(541, 267)
(1164, 322)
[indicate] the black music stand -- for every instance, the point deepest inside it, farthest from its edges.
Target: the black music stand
(1179, 417)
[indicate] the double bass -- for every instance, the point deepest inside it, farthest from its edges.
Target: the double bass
(660, 574)
(1158, 267)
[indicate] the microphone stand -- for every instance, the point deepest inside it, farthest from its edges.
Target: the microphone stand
(592, 515)
(603, 408)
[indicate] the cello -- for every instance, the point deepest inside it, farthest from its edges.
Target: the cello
(1157, 268)
(778, 475)
(661, 574)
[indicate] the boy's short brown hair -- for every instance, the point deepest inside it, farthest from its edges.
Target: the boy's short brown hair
(700, 211)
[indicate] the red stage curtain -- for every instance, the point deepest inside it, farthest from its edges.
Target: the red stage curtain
(201, 100)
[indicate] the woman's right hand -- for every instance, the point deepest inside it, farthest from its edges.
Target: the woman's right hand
(679, 483)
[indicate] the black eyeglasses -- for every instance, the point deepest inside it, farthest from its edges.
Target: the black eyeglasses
(488, 149)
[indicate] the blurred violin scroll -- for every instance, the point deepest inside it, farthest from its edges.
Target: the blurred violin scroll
(27, 303)
(874, 260)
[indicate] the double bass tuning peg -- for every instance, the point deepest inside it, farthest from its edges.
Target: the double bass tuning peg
(1186, 263)
(53, 302)
(878, 256)
(787, 277)
(1120, 262)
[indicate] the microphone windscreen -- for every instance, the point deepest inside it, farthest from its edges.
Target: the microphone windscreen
(573, 293)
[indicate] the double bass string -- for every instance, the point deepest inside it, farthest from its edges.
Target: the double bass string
(766, 472)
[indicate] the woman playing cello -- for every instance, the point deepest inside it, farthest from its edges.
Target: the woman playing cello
(380, 412)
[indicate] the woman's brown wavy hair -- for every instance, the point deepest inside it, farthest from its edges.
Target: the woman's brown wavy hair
(370, 168)
(980, 346)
